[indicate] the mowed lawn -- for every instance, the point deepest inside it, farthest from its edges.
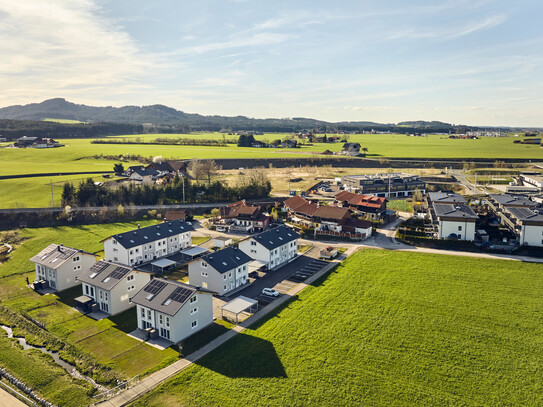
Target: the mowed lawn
(385, 328)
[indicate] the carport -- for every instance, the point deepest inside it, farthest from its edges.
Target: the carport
(239, 305)
(162, 264)
(194, 252)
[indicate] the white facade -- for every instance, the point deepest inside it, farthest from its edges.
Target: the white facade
(117, 299)
(194, 315)
(65, 275)
(272, 258)
(464, 230)
(202, 274)
(144, 253)
(531, 235)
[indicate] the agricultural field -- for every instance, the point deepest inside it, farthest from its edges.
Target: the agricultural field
(106, 340)
(385, 328)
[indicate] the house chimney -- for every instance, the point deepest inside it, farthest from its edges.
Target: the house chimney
(139, 226)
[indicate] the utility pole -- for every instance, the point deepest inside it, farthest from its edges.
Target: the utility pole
(183, 190)
(52, 197)
(288, 184)
(389, 186)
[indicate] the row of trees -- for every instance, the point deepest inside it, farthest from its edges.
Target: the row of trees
(252, 185)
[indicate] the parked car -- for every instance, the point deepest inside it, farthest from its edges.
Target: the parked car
(270, 291)
(253, 274)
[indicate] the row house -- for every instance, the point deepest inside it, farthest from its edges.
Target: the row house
(144, 245)
(454, 221)
(222, 271)
(373, 207)
(273, 248)
(172, 310)
(58, 266)
(109, 285)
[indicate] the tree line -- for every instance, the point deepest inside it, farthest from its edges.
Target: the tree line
(251, 186)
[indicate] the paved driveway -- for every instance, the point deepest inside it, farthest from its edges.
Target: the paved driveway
(275, 277)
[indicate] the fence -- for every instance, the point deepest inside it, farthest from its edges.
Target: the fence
(120, 387)
(352, 236)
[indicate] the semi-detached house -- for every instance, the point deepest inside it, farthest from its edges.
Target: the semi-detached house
(273, 248)
(173, 309)
(110, 286)
(222, 271)
(58, 266)
(147, 244)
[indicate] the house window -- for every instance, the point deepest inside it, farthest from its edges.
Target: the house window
(86, 289)
(149, 314)
(224, 287)
(204, 264)
(193, 299)
(105, 296)
(194, 310)
(137, 250)
(76, 258)
(130, 277)
(168, 322)
(224, 277)
(115, 259)
(459, 228)
(194, 324)
(77, 268)
(130, 288)
(114, 242)
(253, 243)
(160, 319)
(142, 313)
(131, 251)
(204, 273)
(253, 251)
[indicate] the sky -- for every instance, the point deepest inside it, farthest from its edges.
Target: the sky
(474, 62)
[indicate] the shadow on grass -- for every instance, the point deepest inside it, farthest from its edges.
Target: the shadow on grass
(254, 358)
(202, 338)
(67, 296)
(126, 321)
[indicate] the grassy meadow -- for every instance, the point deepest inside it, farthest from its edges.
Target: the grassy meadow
(385, 328)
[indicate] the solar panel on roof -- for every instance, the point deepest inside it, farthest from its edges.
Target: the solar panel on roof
(180, 295)
(99, 267)
(154, 287)
(119, 272)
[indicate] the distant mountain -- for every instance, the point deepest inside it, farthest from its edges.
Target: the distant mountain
(164, 118)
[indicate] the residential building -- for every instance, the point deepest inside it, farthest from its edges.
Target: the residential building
(169, 167)
(147, 244)
(59, 266)
(352, 149)
(289, 144)
(371, 206)
(499, 202)
(175, 214)
(454, 221)
(534, 179)
(243, 217)
(222, 271)
(130, 170)
(394, 185)
(173, 309)
(274, 247)
(526, 223)
(110, 285)
(25, 141)
(144, 176)
(451, 198)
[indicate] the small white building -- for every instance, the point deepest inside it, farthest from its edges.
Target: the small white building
(222, 271)
(173, 309)
(528, 225)
(144, 245)
(455, 221)
(273, 248)
(60, 265)
(221, 242)
(110, 285)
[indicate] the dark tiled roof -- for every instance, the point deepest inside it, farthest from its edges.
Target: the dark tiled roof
(104, 274)
(446, 197)
(55, 255)
(227, 259)
(525, 215)
(356, 223)
(512, 200)
(166, 296)
(145, 172)
(151, 233)
(454, 211)
(276, 237)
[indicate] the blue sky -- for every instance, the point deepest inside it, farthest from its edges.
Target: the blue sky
(475, 62)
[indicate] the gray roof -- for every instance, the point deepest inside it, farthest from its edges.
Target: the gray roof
(226, 259)
(446, 197)
(454, 211)
(276, 237)
(350, 146)
(151, 233)
(142, 172)
(104, 274)
(54, 255)
(515, 200)
(525, 215)
(166, 296)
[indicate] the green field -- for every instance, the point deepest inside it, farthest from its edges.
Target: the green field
(65, 121)
(390, 329)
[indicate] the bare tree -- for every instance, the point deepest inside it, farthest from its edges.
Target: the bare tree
(196, 170)
(210, 170)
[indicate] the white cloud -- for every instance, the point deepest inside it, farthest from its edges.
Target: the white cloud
(56, 47)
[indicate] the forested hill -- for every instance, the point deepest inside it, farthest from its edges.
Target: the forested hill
(167, 119)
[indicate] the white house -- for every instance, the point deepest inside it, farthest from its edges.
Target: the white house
(222, 242)
(274, 247)
(110, 285)
(528, 225)
(455, 221)
(175, 310)
(146, 244)
(60, 265)
(222, 271)
(144, 176)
